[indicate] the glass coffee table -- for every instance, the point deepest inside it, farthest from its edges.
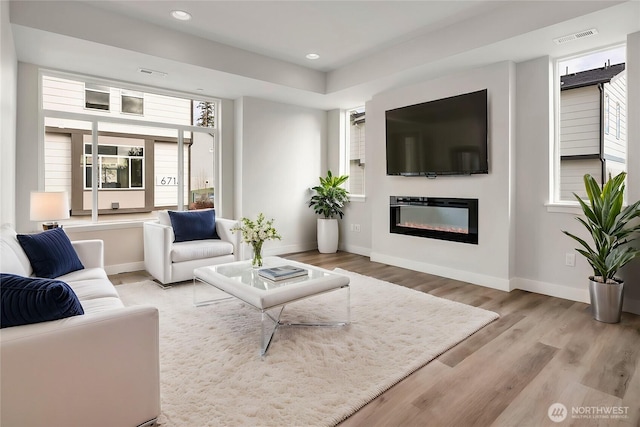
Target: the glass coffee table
(240, 280)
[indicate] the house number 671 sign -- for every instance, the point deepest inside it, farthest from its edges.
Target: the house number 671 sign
(166, 180)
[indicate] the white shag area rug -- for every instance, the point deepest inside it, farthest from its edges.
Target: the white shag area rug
(212, 374)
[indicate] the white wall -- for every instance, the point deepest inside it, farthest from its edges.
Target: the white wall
(335, 141)
(29, 153)
(633, 111)
(8, 88)
(490, 262)
(541, 246)
(279, 152)
(357, 212)
(225, 163)
(123, 248)
(631, 273)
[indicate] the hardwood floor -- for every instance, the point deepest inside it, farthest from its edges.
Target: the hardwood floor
(542, 350)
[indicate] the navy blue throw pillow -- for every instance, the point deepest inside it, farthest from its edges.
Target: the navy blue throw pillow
(50, 253)
(193, 225)
(28, 300)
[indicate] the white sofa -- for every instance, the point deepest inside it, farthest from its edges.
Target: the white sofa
(96, 369)
(170, 262)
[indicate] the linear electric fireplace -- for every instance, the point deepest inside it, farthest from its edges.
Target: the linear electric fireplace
(435, 217)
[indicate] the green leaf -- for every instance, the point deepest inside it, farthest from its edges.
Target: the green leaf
(330, 197)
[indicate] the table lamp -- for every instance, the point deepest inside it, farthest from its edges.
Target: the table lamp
(49, 207)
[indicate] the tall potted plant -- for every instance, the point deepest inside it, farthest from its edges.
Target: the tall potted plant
(328, 201)
(611, 230)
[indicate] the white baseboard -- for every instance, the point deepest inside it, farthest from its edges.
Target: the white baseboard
(552, 289)
(451, 273)
(288, 249)
(566, 292)
(358, 250)
(631, 306)
(124, 268)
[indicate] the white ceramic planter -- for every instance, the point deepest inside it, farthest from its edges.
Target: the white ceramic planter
(327, 235)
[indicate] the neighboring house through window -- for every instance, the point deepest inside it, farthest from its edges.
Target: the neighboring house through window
(355, 150)
(120, 166)
(617, 120)
(607, 113)
(586, 142)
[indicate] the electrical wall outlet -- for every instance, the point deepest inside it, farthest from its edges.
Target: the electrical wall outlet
(570, 259)
(356, 227)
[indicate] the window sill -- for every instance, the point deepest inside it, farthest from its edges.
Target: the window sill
(361, 198)
(564, 207)
(99, 226)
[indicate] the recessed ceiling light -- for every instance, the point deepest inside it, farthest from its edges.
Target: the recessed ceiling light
(181, 15)
(312, 56)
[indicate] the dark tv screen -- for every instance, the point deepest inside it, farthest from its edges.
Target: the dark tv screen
(443, 137)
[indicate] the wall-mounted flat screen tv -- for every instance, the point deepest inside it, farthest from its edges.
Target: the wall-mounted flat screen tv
(443, 137)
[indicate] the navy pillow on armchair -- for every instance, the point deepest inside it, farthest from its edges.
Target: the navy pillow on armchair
(26, 300)
(50, 253)
(194, 225)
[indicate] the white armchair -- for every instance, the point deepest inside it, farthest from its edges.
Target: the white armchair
(169, 262)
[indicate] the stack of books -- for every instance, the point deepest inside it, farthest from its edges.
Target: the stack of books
(282, 273)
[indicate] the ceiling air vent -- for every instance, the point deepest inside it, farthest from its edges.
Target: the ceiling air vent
(575, 36)
(152, 72)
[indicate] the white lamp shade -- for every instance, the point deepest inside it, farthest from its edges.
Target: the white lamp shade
(49, 206)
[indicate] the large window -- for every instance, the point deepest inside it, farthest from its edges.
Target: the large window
(122, 152)
(588, 141)
(355, 150)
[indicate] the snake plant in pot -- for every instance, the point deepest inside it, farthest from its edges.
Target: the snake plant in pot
(612, 228)
(328, 201)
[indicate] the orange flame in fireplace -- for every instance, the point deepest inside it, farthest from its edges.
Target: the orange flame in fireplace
(445, 228)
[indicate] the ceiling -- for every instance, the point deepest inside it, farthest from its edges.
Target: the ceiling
(339, 31)
(231, 49)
